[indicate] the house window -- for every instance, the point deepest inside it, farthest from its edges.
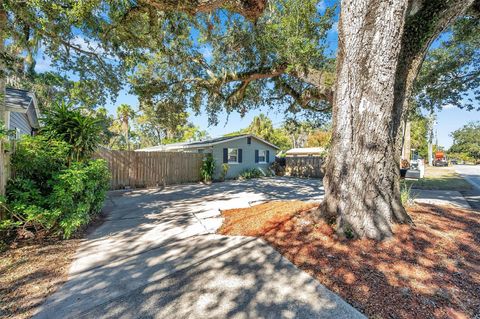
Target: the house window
(249, 140)
(200, 150)
(262, 156)
(233, 155)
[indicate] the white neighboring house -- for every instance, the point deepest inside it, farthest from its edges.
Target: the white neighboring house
(21, 112)
(306, 151)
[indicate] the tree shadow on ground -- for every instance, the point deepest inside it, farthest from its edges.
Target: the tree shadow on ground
(155, 258)
(429, 270)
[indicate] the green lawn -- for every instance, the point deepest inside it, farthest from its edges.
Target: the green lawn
(440, 178)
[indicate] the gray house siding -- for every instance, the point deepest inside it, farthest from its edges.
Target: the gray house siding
(20, 121)
(248, 156)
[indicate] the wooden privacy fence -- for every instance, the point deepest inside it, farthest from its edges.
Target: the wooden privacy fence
(150, 169)
(304, 166)
(5, 169)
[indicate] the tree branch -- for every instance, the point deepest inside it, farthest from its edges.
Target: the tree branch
(303, 99)
(321, 80)
(250, 9)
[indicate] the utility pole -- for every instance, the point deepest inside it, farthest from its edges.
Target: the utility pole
(431, 123)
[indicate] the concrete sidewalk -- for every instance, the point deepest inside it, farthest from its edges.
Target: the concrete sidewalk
(439, 197)
(157, 257)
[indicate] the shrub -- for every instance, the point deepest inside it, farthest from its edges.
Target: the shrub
(208, 168)
(48, 193)
(277, 168)
(78, 193)
(251, 173)
(38, 158)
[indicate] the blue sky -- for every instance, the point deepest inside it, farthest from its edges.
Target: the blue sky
(448, 120)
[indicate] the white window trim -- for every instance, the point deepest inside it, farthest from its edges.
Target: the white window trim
(228, 156)
(264, 157)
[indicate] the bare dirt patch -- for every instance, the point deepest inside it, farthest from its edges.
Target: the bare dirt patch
(32, 272)
(429, 270)
(32, 269)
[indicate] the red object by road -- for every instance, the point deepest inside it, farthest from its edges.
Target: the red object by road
(439, 155)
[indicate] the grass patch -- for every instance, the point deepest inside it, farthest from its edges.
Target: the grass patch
(431, 270)
(439, 178)
(32, 272)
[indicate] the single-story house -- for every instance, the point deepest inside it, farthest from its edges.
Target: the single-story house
(21, 112)
(305, 151)
(240, 152)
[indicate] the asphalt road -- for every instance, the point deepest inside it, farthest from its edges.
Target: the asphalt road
(471, 173)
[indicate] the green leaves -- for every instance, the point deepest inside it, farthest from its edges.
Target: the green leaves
(37, 158)
(450, 74)
(467, 140)
(78, 193)
(78, 129)
(64, 202)
(229, 63)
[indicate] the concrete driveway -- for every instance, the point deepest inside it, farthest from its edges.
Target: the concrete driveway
(157, 256)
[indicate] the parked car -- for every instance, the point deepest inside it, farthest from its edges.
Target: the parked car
(440, 162)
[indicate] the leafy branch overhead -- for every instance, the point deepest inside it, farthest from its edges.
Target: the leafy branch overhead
(450, 75)
(217, 57)
(234, 64)
(228, 55)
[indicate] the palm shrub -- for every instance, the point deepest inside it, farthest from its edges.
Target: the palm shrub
(406, 196)
(82, 132)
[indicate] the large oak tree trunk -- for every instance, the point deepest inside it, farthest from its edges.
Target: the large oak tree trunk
(381, 47)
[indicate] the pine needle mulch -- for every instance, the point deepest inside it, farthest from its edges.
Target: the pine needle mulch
(431, 270)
